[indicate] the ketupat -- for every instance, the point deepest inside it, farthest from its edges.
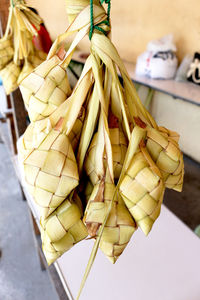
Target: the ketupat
(142, 189)
(45, 88)
(119, 227)
(146, 180)
(6, 51)
(62, 229)
(9, 76)
(163, 147)
(17, 46)
(51, 171)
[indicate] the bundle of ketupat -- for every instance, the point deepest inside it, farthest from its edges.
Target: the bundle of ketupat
(18, 55)
(46, 148)
(125, 160)
(119, 225)
(47, 152)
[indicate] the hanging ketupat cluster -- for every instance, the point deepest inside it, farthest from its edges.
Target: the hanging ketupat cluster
(18, 55)
(123, 158)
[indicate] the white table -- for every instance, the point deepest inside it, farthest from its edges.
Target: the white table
(163, 266)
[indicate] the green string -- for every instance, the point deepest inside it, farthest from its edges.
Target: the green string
(108, 10)
(91, 19)
(97, 27)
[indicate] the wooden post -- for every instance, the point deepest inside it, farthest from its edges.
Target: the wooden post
(16, 120)
(4, 13)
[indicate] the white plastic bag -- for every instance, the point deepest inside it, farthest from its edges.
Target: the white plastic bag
(164, 44)
(159, 61)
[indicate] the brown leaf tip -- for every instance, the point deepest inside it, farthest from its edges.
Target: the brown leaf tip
(59, 124)
(112, 120)
(61, 53)
(142, 143)
(140, 123)
(92, 229)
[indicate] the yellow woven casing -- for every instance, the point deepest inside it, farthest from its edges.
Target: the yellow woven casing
(142, 190)
(10, 76)
(120, 225)
(119, 148)
(61, 230)
(6, 52)
(51, 171)
(45, 89)
(163, 147)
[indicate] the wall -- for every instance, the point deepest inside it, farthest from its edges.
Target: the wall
(136, 22)
(53, 13)
(180, 116)
(144, 20)
(177, 115)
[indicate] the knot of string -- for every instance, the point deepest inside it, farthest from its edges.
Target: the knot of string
(97, 26)
(12, 3)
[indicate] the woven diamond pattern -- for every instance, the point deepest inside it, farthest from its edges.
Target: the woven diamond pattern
(142, 191)
(61, 230)
(6, 52)
(45, 89)
(119, 227)
(51, 171)
(163, 146)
